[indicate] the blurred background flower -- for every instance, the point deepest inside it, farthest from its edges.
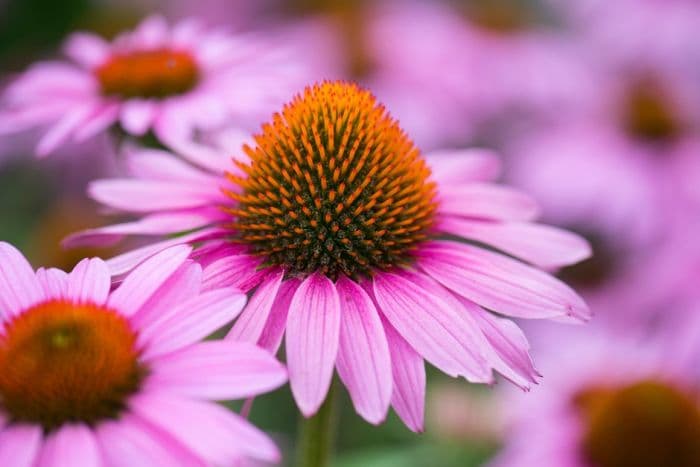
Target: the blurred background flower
(595, 107)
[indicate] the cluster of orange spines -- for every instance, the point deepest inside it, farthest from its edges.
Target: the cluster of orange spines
(334, 185)
(148, 74)
(62, 362)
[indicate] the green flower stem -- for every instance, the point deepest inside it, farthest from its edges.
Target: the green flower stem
(316, 435)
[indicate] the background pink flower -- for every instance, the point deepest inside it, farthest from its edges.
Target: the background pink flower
(169, 80)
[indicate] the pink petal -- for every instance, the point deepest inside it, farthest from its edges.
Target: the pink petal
(136, 116)
(464, 165)
(155, 224)
(499, 283)
(19, 445)
(150, 33)
(219, 370)
(153, 195)
(61, 130)
(162, 165)
(70, 445)
(210, 430)
(19, 287)
(130, 442)
(313, 331)
(541, 245)
(511, 348)
(88, 50)
(146, 279)
(272, 334)
(408, 373)
(487, 201)
(240, 271)
(53, 78)
(249, 326)
(201, 155)
(191, 321)
(53, 281)
(431, 326)
(89, 282)
(101, 118)
(363, 362)
(128, 261)
(182, 285)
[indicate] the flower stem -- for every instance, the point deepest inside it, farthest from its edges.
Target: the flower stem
(316, 435)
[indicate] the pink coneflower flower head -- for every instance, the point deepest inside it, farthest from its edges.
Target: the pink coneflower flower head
(169, 80)
(353, 245)
(613, 401)
(119, 378)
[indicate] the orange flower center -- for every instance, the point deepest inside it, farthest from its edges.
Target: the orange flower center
(649, 114)
(148, 74)
(334, 185)
(645, 424)
(62, 362)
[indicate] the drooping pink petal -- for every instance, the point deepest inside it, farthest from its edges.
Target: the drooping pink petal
(541, 245)
(455, 167)
(70, 445)
(431, 326)
(88, 50)
(471, 334)
(19, 445)
(191, 321)
(53, 281)
(137, 115)
(89, 282)
(180, 286)
(240, 271)
(510, 346)
(408, 373)
(19, 287)
(313, 329)
(218, 370)
(146, 279)
(271, 337)
(499, 283)
(134, 195)
(210, 430)
(487, 201)
(249, 326)
(130, 441)
(363, 362)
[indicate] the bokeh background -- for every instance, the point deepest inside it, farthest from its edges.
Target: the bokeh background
(594, 106)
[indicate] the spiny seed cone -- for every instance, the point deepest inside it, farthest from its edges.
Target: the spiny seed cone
(333, 185)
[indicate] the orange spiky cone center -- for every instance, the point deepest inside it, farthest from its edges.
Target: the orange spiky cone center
(333, 185)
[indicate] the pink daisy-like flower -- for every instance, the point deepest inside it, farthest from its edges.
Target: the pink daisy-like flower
(347, 238)
(170, 80)
(612, 401)
(94, 377)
